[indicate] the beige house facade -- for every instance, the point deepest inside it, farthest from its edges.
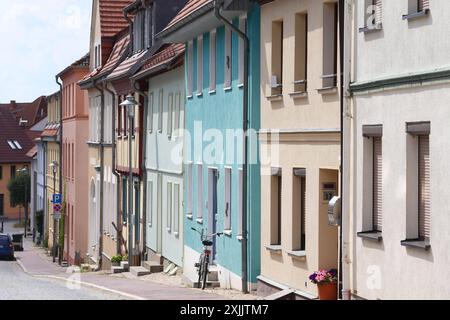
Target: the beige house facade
(300, 121)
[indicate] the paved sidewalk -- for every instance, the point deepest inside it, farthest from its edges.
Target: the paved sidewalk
(36, 262)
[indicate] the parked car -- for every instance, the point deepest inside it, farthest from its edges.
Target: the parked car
(6, 247)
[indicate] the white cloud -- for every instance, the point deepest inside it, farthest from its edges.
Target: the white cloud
(38, 40)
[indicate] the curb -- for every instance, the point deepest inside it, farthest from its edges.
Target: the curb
(87, 284)
(22, 265)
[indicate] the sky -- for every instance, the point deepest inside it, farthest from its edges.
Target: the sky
(38, 39)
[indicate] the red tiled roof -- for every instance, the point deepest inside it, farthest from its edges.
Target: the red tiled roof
(126, 65)
(112, 20)
(12, 131)
(189, 8)
(29, 111)
(83, 62)
(118, 50)
(163, 56)
(32, 152)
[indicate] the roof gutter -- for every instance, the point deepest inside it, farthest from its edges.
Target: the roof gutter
(218, 6)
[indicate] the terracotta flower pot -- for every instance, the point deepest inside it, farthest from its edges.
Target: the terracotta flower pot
(327, 291)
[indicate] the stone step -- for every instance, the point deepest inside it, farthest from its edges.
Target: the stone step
(139, 271)
(213, 274)
(155, 258)
(117, 269)
(153, 267)
(125, 265)
(191, 283)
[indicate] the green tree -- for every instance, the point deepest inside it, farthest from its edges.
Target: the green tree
(19, 189)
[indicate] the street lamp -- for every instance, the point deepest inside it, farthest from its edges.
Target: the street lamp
(54, 166)
(24, 170)
(130, 103)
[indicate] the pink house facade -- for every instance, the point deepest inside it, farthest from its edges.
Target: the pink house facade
(75, 161)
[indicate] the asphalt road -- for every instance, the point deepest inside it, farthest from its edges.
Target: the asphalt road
(15, 284)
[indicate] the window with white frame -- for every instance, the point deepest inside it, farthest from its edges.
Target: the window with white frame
(176, 115)
(190, 187)
(190, 68)
(176, 208)
(330, 48)
(228, 204)
(150, 112)
(160, 110)
(418, 6)
(199, 65)
(228, 63)
(240, 202)
(373, 11)
(169, 208)
(199, 191)
(170, 115)
(242, 27)
(212, 59)
(150, 203)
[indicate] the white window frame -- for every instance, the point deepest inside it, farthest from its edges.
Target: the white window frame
(200, 65)
(151, 101)
(212, 60)
(160, 110)
(242, 27)
(169, 211)
(228, 199)
(176, 208)
(190, 68)
(170, 115)
(190, 188)
(240, 202)
(228, 67)
(200, 192)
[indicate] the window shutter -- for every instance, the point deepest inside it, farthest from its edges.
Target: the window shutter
(423, 5)
(378, 11)
(377, 184)
(424, 187)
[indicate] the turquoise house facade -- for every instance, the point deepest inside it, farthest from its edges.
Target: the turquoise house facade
(213, 156)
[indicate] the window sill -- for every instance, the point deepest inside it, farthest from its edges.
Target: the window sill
(299, 95)
(274, 248)
(370, 235)
(375, 28)
(200, 94)
(241, 85)
(227, 232)
(212, 91)
(93, 143)
(176, 234)
(240, 237)
(328, 90)
(415, 15)
(189, 96)
(297, 254)
(227, 88)
(276, 97)
(416, 243)
(200, 221)
(189, 216)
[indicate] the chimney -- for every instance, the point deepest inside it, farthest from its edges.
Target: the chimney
(13, 104)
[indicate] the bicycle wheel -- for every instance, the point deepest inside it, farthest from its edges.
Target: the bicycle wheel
(205, 272)
(200, 271)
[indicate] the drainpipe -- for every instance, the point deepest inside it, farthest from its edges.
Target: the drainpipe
(218, 6)
(114, 171)
(102, 171)
(345, 16)
(144, 168)
(60, 141)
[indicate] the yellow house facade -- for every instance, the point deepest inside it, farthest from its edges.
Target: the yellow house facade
(300, 121)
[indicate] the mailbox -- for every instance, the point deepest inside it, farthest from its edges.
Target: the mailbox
(334, 211)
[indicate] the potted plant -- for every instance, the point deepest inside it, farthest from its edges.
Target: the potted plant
(115, 261)
(326, 281)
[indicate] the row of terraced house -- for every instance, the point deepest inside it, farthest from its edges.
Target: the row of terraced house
(311, 133)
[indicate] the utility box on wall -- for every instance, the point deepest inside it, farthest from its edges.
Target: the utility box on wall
(335, 211)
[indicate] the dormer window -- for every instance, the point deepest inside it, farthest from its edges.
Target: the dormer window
(143, 29)
(14, 144)
(97, 56)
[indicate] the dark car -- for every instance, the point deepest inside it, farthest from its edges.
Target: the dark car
(6, 247)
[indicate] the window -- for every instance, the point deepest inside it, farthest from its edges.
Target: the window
(212, 60)
(190, 187)
(199, 65)
(137, 209)
(170, 115)
(373, 179)
(228, 57)
(11, 145)
(243, 28)
(228, 211)
(150, 113)
(275, 208)
(160, 110)
(2, 205)
(329, 76)
(418, 191)
(124, 200)
(276, 82)
(240, 202)
(12, 171)
(176, 122)
(125, 121)
(373, 12)
(169, 207)
(424, 187)
(299, 210)
(417, 8)
(301, 52)
(150, 203)
(176, 208)
(199, 191)
(190, 68)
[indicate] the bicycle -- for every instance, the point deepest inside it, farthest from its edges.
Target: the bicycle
(203, 263)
